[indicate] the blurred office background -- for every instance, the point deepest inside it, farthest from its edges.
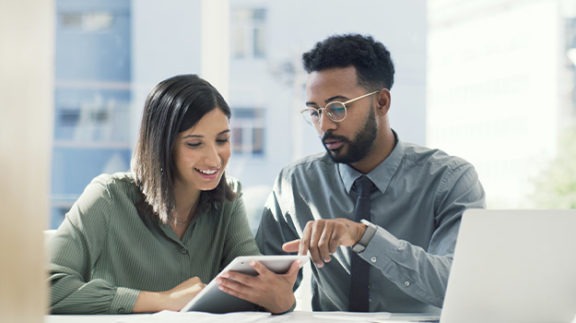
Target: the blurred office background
(492, 81)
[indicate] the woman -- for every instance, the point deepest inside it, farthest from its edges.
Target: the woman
(148, 240)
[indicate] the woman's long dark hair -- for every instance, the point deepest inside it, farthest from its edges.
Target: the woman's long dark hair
(174, 105)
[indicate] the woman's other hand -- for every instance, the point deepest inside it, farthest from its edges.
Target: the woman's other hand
(272, 291)
(172, 300)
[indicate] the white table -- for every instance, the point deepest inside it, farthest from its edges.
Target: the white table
(244, 317)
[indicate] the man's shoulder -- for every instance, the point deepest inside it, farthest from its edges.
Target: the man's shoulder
(312, 165)
(422, 155)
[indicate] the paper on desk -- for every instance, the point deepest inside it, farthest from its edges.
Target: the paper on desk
(351, 317)
(342, 317)
(187, 317)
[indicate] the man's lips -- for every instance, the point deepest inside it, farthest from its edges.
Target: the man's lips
(333, 144)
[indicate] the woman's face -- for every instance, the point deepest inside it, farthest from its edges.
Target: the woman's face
(202, 152)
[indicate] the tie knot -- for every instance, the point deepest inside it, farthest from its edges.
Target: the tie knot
(363, 186)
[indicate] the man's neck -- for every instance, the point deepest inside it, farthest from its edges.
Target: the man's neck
(381, 149)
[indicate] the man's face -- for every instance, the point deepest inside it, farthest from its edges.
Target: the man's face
(350, 140)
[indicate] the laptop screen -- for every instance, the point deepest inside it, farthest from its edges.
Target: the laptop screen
(513, 266)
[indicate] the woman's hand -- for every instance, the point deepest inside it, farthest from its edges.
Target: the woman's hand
(272, 291)
(172, 300)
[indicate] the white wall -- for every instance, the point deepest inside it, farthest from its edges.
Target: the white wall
(166, 41)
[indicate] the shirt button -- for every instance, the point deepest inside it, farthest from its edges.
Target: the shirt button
(122, 310)
(401, 246)
(183, 251)
(373, 259)
(407, 283)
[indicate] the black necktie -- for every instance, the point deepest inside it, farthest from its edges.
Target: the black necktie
(360, 269)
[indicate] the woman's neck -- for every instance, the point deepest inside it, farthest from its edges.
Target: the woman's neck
(186, 201)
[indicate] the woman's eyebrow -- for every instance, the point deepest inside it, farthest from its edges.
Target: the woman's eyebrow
(202, 136)
(192, 136)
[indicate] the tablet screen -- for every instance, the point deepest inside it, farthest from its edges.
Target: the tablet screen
(213, 300)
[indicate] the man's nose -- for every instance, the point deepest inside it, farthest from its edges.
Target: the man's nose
(325, 123)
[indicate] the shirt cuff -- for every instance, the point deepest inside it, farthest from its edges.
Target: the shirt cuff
(383, 243)
(124, 300)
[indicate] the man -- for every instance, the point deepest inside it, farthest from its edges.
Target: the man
(415, 202)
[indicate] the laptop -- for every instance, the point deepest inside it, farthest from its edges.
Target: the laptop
(513, 266)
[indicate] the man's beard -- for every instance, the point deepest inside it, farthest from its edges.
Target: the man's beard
(359, 148)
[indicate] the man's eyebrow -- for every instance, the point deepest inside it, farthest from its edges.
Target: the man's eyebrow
(330, 99)
(336, 97)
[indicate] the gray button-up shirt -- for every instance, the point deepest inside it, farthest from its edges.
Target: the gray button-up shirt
(418, 205)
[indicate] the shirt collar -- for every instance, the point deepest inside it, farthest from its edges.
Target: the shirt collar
(381, 175)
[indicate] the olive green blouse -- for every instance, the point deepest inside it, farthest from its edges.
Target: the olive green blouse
(110, 247)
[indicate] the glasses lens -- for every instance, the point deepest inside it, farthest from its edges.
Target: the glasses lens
(336, 111)
(311, 115)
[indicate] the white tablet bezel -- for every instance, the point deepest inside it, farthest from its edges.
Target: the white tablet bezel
(211, 299)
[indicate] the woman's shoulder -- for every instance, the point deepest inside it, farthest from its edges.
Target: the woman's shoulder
(121, 183)
(114, 179)
(107, 196)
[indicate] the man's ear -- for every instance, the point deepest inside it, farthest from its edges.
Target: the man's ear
(384, 100)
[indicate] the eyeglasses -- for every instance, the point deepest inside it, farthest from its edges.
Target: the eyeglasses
(335, 110)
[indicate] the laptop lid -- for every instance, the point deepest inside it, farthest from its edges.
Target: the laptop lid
(513, 266)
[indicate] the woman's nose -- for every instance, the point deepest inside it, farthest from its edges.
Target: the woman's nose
(212, 158)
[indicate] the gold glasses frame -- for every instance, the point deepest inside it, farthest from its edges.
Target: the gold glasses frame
(330, 107)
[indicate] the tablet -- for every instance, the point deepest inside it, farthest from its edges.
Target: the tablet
(211, 299)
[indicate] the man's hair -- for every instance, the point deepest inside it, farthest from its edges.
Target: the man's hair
(174, 105)
(371, 59)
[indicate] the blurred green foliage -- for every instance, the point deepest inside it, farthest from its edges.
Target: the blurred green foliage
(555, 186)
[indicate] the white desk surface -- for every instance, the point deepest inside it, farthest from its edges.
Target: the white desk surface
(244, 317)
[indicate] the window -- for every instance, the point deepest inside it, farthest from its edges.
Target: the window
(92, 97)
(89, 21)
(248, 131)
(248, 33)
